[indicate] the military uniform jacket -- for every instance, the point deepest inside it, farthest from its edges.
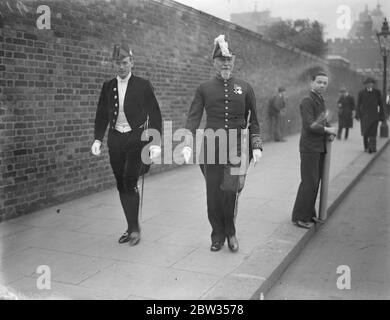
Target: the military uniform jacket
(139, 103)
(227, 104)
(313, 136)
(346, 105)
(369, 109)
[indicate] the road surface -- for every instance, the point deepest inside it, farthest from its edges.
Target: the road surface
(349, 257)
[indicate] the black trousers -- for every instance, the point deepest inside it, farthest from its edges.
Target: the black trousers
(369, 138)
(311, 172)
(339, 132)
(221, 201)
(125, 159)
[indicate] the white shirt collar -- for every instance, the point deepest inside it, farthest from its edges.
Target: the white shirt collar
(125, 79)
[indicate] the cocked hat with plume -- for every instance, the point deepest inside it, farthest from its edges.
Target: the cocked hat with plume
(221, 47)
(121, 51)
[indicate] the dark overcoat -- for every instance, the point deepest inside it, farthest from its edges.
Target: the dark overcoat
(346, 104)
(368, 109)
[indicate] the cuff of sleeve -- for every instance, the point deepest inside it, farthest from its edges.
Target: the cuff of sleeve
(257, 143)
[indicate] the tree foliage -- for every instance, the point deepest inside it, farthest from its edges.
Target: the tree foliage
(302, 34)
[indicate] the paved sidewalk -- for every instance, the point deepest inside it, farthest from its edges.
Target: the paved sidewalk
(357, 237)
(173, 259)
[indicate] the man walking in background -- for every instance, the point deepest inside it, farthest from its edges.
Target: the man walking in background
(127, 105)
(369, 112)
(276, 111)
(312, 148)
(346, 106)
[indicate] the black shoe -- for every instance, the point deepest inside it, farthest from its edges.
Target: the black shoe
(318, 220)
(134, 238)
(216, 246)
(124, 238)
(369, 150)
(366, 150)
(302, 224)
(233, 243)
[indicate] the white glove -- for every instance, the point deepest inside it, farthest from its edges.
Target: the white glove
(95, 149)
(257, 154)
(155, 152)
(186, 153)
(331, 130)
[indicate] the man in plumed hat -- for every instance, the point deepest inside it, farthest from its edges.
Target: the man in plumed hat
(346, 106)
(369, 112)
(229, 103)
(127, 106)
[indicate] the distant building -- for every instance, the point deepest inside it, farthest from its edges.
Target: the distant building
(338, 61)
(368, 24)
(256, 21)
(361, 48)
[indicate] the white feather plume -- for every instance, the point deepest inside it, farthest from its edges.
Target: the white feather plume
(223, 45)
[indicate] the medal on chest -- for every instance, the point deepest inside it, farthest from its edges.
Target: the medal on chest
(237, 89)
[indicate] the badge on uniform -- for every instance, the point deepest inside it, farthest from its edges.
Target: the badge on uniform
(237, 89)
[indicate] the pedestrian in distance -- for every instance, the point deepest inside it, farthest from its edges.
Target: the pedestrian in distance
(346, 107)
(127, 106)
(230, 106)
(369, 111)
(276, 113)
(312, 147)
(388, 104)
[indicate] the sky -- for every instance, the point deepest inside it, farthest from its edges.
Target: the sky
(325, 11)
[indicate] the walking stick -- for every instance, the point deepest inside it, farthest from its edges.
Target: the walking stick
(244, 160)
(325, 181)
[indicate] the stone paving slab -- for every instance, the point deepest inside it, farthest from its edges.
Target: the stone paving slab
(78, 239)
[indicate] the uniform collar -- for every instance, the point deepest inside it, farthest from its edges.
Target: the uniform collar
(218, 77)
(119, 79)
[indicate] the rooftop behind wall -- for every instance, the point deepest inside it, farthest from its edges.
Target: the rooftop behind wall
(50, 81)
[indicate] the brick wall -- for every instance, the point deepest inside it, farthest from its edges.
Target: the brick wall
(50, 81)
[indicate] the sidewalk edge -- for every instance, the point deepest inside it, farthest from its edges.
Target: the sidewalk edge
(332, 206)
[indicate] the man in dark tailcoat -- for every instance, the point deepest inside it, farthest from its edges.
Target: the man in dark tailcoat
(312, 148)
(346, 106)
(228, 103)
(128, 106)
(369, 112)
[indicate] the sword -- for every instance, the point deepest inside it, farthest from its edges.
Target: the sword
(141, 199)
(243, 161)
(143, 179)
